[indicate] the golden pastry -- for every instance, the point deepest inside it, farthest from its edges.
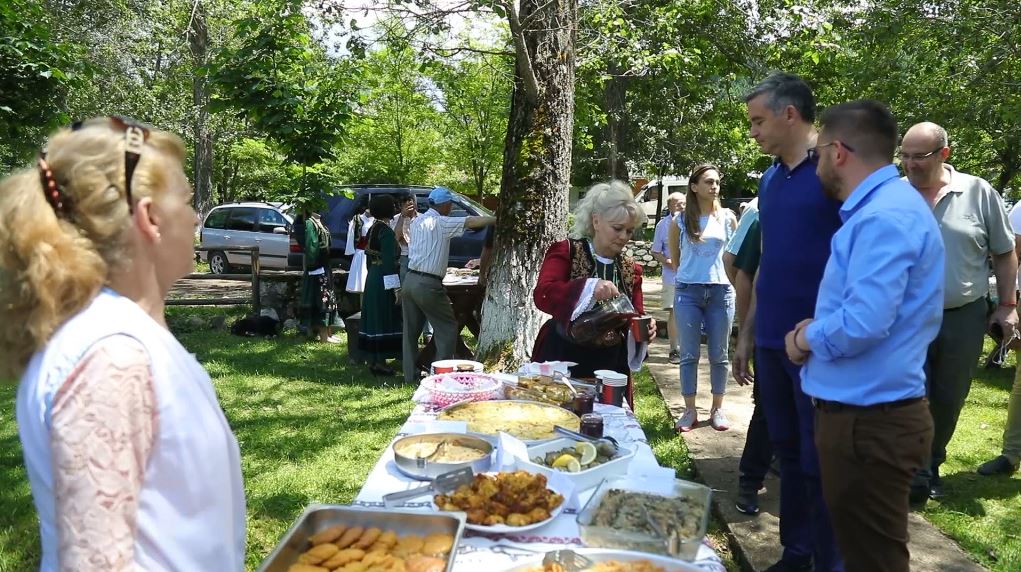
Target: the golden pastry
(345, 556)
(368, 538)
(306, 568)
(421, 563)
(437, 544)
(328, 535)
(350, 536)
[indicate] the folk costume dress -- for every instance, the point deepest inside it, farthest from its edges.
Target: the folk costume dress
(318, 300)
(564, 290)
(357, 238)
(380, 331)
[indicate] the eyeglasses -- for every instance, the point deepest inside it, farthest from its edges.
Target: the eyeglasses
(135, 136)
(918, 156)
(813, 153)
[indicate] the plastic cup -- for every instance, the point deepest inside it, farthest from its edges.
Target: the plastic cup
(613, 385)
(640, 328)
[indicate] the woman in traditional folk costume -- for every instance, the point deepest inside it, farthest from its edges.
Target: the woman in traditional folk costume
(357, 238)
(591, 267)
(380, 334)
(318, 296)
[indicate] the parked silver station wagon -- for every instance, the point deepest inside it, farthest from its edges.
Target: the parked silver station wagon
(266, 225)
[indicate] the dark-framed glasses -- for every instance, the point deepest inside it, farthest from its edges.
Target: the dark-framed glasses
(135, 136)
(918, 156)
(813, 152)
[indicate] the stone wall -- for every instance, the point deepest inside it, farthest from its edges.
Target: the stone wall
(282, 291)
(641, 251)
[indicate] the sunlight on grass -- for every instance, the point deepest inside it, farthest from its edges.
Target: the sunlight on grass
(982, 513)
(311, 426)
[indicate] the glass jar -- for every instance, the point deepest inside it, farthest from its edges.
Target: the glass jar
(583, 402)
(592, 425)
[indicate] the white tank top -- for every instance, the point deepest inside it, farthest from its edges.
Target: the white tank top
(191, 510)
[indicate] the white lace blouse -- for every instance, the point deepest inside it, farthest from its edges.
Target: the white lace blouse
(130, 458)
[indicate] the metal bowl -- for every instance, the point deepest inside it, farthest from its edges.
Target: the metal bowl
(424, 469)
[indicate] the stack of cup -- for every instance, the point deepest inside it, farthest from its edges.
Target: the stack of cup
(613, 385)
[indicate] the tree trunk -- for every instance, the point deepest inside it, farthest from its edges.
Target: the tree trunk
(1010, 165)
(534, 187)
(198, 40)
(616, 122)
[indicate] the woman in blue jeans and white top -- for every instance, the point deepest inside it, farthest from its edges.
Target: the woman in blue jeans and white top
(703, 292)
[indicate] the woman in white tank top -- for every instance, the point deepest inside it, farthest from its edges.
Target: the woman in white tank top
(131, 461)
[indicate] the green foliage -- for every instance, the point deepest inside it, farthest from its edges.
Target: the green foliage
(955, 63)
(36, 72)
(476, 92)
(394, 138)
(280, 80)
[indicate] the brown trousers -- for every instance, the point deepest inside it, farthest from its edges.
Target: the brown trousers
(867, 458)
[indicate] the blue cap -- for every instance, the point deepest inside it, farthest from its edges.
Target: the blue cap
(440, 195)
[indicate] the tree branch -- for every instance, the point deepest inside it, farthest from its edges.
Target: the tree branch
(524, 64)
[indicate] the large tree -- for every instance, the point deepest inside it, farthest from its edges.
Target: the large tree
(532, 212)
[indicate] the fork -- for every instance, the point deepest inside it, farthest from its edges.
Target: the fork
(671, 537)
(567, 559)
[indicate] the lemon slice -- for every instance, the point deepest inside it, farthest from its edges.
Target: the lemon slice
(587, 452)
(568, 463)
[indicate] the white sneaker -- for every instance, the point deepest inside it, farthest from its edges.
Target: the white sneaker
(687, 421)
(718, 420)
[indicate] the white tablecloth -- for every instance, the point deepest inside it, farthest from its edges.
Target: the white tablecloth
(493, 553)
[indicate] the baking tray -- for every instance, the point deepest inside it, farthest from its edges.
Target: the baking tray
(611, 537)
(319, 516)
(606, 554)
(570, 420)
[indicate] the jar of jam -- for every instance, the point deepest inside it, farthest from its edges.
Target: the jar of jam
(583, 402)
(592, 425)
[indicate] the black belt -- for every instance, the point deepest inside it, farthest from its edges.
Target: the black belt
(837, 407)
(426, 274)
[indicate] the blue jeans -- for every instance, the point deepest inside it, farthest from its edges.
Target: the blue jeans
(805, 530)
(712, 305)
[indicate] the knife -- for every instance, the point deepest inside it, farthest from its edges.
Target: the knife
(442, 484)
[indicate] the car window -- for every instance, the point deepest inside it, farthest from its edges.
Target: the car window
(242, 218)
(217, 218)
(270, 219)
(473, 207)
(458, 210)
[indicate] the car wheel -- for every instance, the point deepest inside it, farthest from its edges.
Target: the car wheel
(218, 263)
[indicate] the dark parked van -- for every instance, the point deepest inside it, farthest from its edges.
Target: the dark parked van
(340, 208)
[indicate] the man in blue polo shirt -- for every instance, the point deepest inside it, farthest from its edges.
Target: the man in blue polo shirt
(880, 305)
(797, 222)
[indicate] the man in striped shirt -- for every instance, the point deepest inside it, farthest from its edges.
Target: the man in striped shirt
(422, 293)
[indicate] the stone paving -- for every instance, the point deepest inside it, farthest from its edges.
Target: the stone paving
(755, 539)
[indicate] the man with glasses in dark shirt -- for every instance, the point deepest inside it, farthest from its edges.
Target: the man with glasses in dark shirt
(975, 227)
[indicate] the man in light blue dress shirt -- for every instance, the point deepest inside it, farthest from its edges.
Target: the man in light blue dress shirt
(880, 305)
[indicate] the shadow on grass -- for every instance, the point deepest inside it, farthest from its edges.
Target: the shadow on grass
(966, 491)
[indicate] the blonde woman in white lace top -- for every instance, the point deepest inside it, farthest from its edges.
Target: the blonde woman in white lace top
(131, 461)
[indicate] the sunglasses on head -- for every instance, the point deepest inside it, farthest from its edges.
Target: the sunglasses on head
(135, 136)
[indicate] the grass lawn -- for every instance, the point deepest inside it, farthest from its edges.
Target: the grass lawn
(983, 514)
(311, 427)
